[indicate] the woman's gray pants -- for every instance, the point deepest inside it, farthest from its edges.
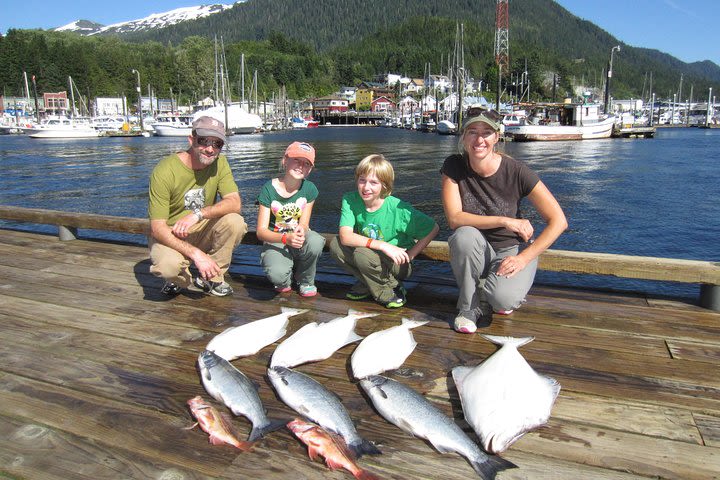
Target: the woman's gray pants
(474, 263)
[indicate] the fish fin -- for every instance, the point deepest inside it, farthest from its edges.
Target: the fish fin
(191, 426)
(516, 342)
(274, 424)
(363, 448)
(491, 465)
(410, 323)
(341, 444)
(291, 312)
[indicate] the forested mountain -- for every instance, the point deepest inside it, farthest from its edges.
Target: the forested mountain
(313, 47)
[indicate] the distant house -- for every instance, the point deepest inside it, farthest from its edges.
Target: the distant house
(330, 104)
(381, 105)
(408, 105)
(416, 85)
(441, 83)
(109, 106)
(348, 93)
(56, 103)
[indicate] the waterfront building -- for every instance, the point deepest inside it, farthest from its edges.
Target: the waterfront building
(330, 104)
(382, 105)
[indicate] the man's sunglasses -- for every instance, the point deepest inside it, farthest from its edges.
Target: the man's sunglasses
(209, 142)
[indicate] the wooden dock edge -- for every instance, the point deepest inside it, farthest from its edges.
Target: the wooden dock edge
(705, 273)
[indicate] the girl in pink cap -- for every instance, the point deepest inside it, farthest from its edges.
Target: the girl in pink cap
(283, 224)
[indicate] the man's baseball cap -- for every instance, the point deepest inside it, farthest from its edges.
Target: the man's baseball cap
(209, 127)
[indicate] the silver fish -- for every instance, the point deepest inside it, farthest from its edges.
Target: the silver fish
(250, 338)
(230, 386)
(310, 399)
(404, 407)
(503, 398)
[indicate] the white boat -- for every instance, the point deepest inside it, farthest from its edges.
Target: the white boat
(306, 122)
(548, 122)
(108, 123)
(63, 127)
(445, 127)
(238, 120)
(173, 125)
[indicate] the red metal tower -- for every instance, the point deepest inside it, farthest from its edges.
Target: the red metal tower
(502, 41)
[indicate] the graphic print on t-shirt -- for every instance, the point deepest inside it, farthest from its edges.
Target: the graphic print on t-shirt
(195, 198)
(373, 231)
(287, 216)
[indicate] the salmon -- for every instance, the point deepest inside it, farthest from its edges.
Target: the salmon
(215, 424)
(330, 446)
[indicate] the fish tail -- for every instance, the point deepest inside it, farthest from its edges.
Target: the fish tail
(290, 312)
(516, 342)
(258, 432)
(363, 448)
(488, 468)
(409, 323)
(358, 314)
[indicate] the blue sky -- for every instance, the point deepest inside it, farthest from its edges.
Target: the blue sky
(686, 29)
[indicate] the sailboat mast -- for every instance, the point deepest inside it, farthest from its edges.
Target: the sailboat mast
(72, 96)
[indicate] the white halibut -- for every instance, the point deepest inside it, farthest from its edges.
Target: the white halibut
(384, 350)
(503, 397)
(317, 341)
(250, 338)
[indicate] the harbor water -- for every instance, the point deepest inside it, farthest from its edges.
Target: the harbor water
(653, 197)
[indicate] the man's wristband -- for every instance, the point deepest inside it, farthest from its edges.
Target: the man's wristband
(284, 239)
(198, 214)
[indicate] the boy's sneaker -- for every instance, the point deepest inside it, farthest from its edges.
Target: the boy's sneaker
(358, 292)
(170, 289)
(307, 290)
(219, 289)
(504, 312)
(282, 288)
(466, 322)
(398, 300)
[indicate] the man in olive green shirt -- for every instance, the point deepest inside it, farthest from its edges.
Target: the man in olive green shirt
(187, 222)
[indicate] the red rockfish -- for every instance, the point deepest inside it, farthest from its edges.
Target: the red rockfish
(215, 424)
(332, 447)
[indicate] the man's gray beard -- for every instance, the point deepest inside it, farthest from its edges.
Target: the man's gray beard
(207, 161)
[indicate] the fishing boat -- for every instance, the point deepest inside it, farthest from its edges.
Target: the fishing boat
(306, 122)
(173, 126)
(239, 121)
(63, 127)
(563, 121)
(445, 127)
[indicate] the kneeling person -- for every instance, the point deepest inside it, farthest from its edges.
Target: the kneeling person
(187, 222)
(380, 235)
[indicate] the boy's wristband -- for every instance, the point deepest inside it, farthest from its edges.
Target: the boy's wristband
(369, 242)
(284, 239)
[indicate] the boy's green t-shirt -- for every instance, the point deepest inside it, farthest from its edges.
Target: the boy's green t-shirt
(395, 222)
(286, 212)
(176, 190)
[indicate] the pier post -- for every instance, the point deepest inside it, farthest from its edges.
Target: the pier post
(710, 296)
(67, 233)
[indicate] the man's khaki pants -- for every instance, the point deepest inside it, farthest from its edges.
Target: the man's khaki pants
(218, 238)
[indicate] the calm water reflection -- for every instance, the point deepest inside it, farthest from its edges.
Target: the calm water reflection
(640, 197)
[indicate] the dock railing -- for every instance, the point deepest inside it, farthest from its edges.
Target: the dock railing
(705, 273)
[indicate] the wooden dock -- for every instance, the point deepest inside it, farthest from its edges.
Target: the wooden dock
(96, 367)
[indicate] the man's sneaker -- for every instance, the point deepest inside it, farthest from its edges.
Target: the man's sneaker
(466, 322)
(282, 288)
(219, 289)
(307, 290)
(358, 292)
(398, 300)
(170, 289)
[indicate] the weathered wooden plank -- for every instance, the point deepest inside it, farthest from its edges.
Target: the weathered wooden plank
(699, 352)
(676, 270)
(31, 450)
(709, 426)
(624, 452)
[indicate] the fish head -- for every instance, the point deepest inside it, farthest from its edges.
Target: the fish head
(373, 385)
(298, 426)
(196, 403)
(208, 359)
(278, 374)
